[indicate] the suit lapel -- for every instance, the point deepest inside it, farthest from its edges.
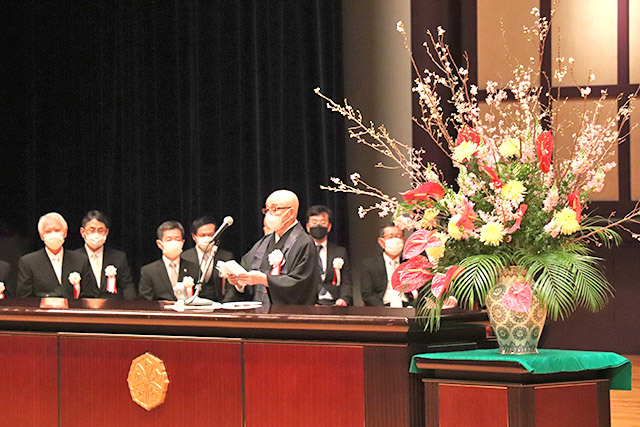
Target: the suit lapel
(329, 267)
(67, 269)
(161, 271)
(48, 270)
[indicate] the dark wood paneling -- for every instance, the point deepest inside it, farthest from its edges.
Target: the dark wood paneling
(205, 382)
(431, 404)
(480, 406)
(29, 380)
(304, 385)
(579, 408)
(386, 385)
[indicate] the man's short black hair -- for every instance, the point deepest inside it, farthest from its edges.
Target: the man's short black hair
(199, 222)
(169, 225)
(97, 215)
(384, 227)
(318, 210)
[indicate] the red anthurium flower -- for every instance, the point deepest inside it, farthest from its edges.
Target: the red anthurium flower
(418, 242)
(440, 282)
(428, 190)
(574, 202)
(516, 225)
(518, 297)
(494, 176)
(467, 217)
(544, 148)
(468, 134)
(412, 275)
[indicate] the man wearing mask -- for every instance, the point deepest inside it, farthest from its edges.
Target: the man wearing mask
(53, 271)
(158, 278)
(282, 267)
(335, 286)
(202, 231)
(110, 267)
(375, 277)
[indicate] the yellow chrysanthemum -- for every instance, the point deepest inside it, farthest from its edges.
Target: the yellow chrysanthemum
(428, 219)
(464, 151)
(492, 233)
(567, 221)
(453, 229)
(435, 254)
(513, 190)
(510, 147)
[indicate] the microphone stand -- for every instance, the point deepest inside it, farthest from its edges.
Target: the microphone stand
(201, 273)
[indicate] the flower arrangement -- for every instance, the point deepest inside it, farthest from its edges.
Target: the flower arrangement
(519, 198)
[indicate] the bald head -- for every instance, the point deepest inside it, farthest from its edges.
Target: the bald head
(284, 198)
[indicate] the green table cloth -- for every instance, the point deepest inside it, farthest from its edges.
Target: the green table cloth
(618, 368)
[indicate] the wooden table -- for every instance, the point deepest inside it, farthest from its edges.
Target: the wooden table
(288, 366)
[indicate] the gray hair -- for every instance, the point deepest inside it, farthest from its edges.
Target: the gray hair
(52, 216)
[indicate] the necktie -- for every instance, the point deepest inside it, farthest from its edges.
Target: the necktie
(320, 266)
(173, 273)
(96, 268)
(207, 268)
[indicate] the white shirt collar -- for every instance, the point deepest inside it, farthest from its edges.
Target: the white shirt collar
(167, 261)
(98, 253)
(53, 256)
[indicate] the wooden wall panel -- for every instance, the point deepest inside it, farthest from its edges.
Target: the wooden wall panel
(303, 385)
(205, 382)
(462, 404)
(29, 380)
(580, 406)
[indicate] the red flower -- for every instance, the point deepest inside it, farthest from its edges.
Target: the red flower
(516, 225)
(412, 275)
(418, 242)
(467, 217)
(468, 134)
(494, 176)
(518, 297)
(440, 282)
(544, 148)
(427, 190)
(574, 202)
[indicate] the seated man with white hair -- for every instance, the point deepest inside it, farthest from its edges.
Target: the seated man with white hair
(282, 267)
(52, 271)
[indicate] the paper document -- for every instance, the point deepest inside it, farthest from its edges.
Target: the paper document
(230, 267)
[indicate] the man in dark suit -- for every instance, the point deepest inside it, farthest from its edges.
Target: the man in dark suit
(375, 275)
(49, 272)
(202, 231)
(6, 287)
(109, 266)
(333, 289)
(283, 265)
(158, 278)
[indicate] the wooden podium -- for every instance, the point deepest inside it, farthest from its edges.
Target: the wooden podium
(289, 366)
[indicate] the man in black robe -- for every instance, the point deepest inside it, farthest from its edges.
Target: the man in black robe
(282, 267)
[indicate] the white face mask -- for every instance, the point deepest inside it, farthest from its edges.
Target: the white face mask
(95, 240)
(393, 246)
(274, 222)
(203, 243)
(54, 240)
(172, 249)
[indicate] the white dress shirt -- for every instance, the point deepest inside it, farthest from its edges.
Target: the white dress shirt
(172, 270)
(391, 296)
(95, 259)
(206, 268)
(56, 262)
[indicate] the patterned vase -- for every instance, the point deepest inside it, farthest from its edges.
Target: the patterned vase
(517, 332)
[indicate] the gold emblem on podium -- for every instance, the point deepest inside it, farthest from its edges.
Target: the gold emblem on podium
(148, 381)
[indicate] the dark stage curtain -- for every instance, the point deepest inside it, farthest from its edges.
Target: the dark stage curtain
(156, 110)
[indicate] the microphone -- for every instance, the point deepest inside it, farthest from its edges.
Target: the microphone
(226, 223)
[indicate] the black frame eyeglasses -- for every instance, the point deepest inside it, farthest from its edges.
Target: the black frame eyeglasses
(273, 209)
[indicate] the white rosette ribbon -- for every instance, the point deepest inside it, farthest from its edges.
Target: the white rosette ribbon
(2, 288)
(111, 271)
(338, 263)
(276, 260)
(188, 283)
(74, 279)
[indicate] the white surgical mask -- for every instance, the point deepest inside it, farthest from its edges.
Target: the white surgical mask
(393, 246)
(172, 249)
(203, 242)
(54, 240)
(273, 222)
(95, 240)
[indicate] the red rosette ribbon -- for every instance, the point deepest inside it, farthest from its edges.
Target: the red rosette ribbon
(76, 291)
(426, 191)
(544, 148)
(418, 242)
(441, 281)
(574, 203)
(518, 297)
(412, 275)
(516, 225)
(111, 285)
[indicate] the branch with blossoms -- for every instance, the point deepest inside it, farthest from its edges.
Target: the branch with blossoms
(386, 205)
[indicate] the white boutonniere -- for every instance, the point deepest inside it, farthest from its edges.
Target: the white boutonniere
(74, 279)
(338, 263)
(111, 271)
(276, 260)
(188, 283)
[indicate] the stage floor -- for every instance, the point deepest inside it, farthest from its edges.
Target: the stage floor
(625, 405)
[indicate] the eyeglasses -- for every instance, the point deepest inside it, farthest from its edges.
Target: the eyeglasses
(273, 209)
